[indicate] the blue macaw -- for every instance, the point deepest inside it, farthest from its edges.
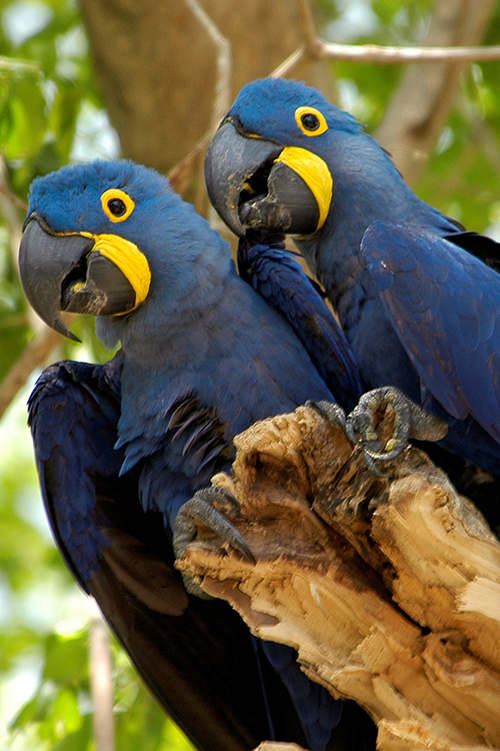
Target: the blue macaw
(419, 305)
(121, 447)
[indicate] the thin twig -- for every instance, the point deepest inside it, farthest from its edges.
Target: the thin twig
(224, 62)
(287, 65)
(181, 173)
(15, 200)
(101, 684)
(308, 27)
(315, 49)
(222, 99)
(23, 66)
(33, 355)
(372, 53)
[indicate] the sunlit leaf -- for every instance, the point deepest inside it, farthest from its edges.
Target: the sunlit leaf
(66, 659)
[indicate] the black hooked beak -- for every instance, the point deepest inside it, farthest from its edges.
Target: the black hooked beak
(250, 188)
(60, 272)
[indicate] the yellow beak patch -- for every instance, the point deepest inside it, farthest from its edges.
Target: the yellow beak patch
(315, 173)
(129, 259)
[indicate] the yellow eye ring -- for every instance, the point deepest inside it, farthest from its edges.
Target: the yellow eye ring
(117, 205)
(311, 121)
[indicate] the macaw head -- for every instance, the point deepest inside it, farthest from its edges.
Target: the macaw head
(268, 164)
(105, 237)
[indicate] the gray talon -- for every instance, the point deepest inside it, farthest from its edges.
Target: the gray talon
(370, 463)
(410, 421)
(329, 411)
(220, 496)
(199, 509)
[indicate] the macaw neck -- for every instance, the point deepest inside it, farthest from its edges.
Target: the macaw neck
(167, 357)
(367, 187)
(165, 333)
(185, 288)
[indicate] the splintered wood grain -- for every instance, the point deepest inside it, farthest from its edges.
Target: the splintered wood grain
(387, 587)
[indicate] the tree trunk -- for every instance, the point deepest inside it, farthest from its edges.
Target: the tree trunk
(157, 65)
(388, 587)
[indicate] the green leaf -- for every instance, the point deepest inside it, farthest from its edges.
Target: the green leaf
(80, 740)
(66, 659)
(66, 712)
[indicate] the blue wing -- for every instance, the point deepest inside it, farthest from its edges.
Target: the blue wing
(481, 246)
(196, 657)
(272, 271)
(184, 444)
(444, 304)
(68, 400)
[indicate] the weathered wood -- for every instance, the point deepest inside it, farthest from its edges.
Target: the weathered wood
(388, 587)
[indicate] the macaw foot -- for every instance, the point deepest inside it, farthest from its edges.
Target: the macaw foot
(330, 412)
(198, 510)
(336, 416)
(410, 421)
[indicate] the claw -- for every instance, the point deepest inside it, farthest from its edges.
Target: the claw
(330, 412)
(370, 463)
(362, 422)
(200, 509)
(410, 421)
(336, 416)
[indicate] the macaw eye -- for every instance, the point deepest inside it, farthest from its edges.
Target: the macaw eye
(311, 121)
(117, 205)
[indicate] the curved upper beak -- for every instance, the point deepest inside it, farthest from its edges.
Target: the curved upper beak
(62, 272)
(252, 184)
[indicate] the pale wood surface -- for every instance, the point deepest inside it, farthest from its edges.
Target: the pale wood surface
(388, 588)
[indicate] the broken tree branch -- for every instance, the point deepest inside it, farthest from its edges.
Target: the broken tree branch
(387, 587)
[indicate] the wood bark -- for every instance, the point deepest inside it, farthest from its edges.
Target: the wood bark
(387, 587)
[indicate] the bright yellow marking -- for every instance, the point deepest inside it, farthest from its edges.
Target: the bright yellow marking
(116, 193)
(129, 259)
(323, 125)
(77, 286)
(315, 173)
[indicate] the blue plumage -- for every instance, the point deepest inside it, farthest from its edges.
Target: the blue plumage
(419, 311)
(452, 341)
(272, 271)
(120, 447)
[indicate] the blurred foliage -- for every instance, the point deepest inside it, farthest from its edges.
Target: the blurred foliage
(51, 113)
(462, 178)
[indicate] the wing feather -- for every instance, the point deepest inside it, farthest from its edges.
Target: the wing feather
(445, 307)
(271, 270)
(196, 657)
